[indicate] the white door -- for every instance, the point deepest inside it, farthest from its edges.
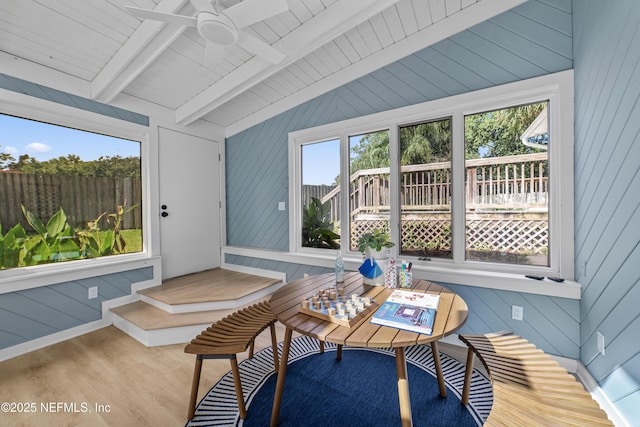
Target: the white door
(190, 198)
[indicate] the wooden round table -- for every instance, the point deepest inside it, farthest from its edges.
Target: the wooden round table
(451, 315)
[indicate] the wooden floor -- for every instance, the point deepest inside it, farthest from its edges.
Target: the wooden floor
(134, 384)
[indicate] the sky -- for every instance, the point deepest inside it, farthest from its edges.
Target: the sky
(43, 141)
(321, 162)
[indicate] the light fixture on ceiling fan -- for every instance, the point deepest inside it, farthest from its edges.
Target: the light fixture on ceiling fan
(222, 28)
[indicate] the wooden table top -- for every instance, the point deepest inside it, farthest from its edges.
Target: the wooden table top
(451, 315)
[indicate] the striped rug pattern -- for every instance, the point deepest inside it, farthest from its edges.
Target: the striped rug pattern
(219, 406)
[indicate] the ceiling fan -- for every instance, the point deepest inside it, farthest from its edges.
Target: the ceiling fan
(222, 28)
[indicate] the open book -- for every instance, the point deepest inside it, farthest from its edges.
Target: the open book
(409, 310)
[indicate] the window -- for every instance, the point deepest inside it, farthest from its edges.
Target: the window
(507, 185)
(425, 190)
(369, 185)
(320, 207)
(467, 183)
(67, 194)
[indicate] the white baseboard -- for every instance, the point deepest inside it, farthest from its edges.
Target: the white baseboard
(592, 387)
(57, 337)
(255, 271)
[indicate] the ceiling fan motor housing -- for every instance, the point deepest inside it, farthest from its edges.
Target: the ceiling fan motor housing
(217, 28)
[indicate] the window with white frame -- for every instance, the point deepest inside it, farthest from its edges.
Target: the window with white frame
(67, 194)
(469, 182)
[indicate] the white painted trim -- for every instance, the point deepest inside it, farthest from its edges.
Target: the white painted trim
(590, 384)
(444, 274)
(255, 271)
(55, 338)
(558, 89)
(42, 342)
(32, 277)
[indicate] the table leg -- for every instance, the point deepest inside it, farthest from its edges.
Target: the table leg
(436, 362)
(403, 388)
(282, 371)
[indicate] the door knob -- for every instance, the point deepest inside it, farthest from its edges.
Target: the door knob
(165, 214)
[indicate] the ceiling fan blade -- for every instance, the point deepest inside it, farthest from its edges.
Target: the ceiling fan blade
(212, 54)
(162, 16)
(249, 12)
(204, 6)
(260, 48)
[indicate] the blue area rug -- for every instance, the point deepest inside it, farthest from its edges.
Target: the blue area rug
(359, 390)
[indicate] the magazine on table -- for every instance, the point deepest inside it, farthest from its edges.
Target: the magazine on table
(408, 310)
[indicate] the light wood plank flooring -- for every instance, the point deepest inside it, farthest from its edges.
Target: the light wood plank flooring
(210, 285)
(142, 386)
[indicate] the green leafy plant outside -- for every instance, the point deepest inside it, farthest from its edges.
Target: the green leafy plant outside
(317, 227)
(57, 241)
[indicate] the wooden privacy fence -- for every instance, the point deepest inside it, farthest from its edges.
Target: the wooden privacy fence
(83, 198)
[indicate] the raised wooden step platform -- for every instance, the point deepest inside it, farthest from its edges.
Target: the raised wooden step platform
(182, 307)
(216, 289)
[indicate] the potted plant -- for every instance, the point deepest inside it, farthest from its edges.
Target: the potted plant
(374, 242)
(373, 246)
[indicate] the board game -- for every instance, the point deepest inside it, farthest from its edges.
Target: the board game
(333, 306)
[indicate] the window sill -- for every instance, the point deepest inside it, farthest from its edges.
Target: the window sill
(17, 279)
(438, 273)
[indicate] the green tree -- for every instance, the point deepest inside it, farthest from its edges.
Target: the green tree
(5, 159)
(497, 133)
(372, 151)
(105, 166)
(425, 143)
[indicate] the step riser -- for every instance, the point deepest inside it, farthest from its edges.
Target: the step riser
(158, 337)
(156, 321)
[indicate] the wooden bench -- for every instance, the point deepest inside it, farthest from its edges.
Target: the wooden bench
(529, 388)
(227, 337)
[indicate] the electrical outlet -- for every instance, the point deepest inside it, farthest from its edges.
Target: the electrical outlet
(282, 206)
(517, 312)
(600, 339)
(93, 292)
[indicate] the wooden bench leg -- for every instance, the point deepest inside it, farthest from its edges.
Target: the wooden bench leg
(238, 385)
(339, 352)
(321, 344)
(194, 388)
(468, 372)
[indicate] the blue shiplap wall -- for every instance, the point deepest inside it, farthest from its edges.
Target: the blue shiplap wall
(34, 313)
(533, 39)
(607, 200)
(43, 92)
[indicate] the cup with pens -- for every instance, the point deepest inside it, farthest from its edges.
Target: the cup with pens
(406, 275)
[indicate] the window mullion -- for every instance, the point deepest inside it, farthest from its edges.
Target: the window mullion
(457, 191)
(394, 197)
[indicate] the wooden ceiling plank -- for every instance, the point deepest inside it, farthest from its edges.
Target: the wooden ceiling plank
(327, 25)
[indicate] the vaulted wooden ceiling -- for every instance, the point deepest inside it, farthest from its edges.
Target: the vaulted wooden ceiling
(96, 49)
